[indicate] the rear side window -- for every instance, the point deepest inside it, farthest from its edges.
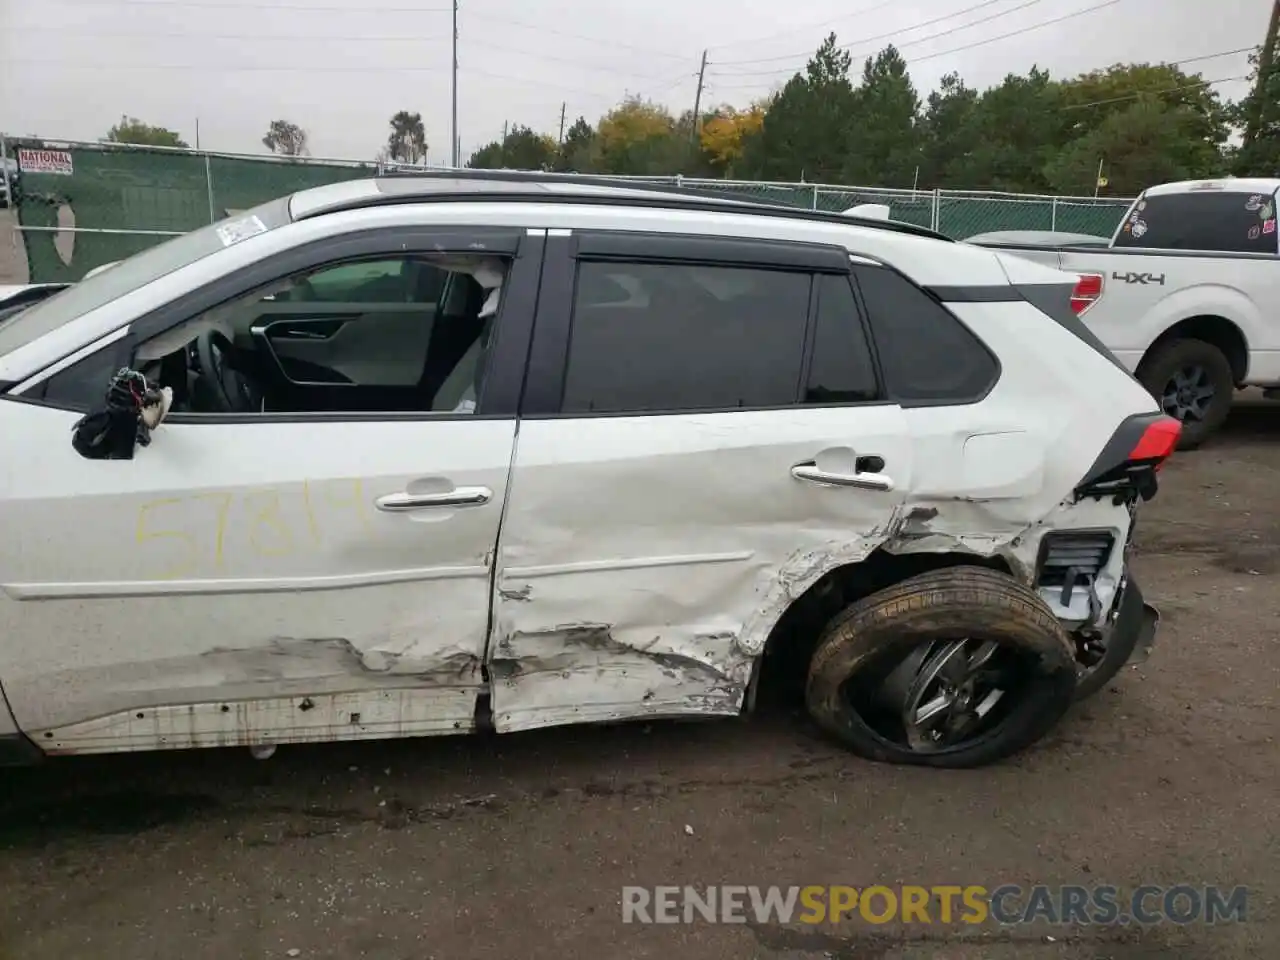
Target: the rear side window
(841, 369)
(671, 337)
(927, 355)
(1228, 221)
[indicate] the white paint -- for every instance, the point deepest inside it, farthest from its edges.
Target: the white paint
(679, 537)
(114, 565)
(202, 593)
(869, 211)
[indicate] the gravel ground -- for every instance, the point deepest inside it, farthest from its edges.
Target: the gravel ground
(519, 846)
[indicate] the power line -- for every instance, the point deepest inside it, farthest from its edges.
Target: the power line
(275, 5)
(224, 68)
(1017, 33)
(330, 38)
(910, 43)
(1003, 36)
(569, 60)
(806, 27)
(609, 42)
(1152, 93)
(265, 37)
(865, 40)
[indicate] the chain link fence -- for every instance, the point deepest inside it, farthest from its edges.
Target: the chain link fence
(80, 205)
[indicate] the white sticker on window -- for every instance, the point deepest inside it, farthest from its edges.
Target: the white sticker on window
(233, 231)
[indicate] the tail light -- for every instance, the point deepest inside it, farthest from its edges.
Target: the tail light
(1127, 467)
(1157, 443)
(1087, 292)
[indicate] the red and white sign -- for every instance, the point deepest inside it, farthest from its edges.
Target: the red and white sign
(45, 161)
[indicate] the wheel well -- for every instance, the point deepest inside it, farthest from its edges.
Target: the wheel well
(784, 664)
(1220, 332)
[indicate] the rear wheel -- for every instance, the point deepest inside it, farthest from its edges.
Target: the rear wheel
(952, 668)
(1193, 383)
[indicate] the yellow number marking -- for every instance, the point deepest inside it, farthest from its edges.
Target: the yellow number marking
(189, 559)
(222, 503)
(354, 502)
(268, 519)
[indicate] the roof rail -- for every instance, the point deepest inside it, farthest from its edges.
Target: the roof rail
(507, 182)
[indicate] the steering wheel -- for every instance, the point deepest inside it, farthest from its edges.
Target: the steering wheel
(226, 388)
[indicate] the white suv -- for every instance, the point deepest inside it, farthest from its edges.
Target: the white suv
(510, 451)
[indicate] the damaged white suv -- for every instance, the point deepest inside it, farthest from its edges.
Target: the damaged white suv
(449, 453)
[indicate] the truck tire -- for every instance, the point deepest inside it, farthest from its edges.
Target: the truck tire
(865, 650)
(1174, 371)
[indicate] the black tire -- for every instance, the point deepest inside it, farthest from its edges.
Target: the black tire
(944, 604)
(1166, 360)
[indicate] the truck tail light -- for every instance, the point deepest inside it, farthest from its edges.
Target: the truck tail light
(1087, 292)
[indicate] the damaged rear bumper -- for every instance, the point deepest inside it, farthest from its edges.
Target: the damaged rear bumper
(1132, 616)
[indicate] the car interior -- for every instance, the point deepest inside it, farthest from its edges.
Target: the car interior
(404, 334)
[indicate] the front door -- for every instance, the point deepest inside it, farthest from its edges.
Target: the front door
(257, 577)
(703, 437)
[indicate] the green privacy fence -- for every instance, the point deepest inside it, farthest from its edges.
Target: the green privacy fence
(80, 205)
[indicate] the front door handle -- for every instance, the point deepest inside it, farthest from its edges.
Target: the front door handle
(457, 497)
(866, 481)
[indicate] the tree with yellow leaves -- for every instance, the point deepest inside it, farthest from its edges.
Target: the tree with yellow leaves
(725, 131)
(637, 137)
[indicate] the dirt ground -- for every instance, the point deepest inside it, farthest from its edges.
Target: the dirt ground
(519, 846)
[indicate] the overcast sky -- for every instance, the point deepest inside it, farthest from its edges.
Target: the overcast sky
(70, 68)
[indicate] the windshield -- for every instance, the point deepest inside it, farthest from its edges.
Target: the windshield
(129, 275)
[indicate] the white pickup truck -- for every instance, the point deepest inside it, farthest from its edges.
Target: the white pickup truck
(1186, 295)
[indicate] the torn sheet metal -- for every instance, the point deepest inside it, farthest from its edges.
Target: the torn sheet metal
(583, 673)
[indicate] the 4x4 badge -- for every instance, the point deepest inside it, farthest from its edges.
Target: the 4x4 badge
(1143, 278)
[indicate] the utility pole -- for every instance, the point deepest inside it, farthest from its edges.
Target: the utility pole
(1266, 63)
(197, 133)
(563, 104)
(453, 132)
(502, 148)
(697, 99)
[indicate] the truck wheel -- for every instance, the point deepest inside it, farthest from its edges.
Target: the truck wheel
(953, 668)
(1192, 381)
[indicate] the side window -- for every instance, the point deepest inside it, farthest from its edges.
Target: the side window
(841, 369)
(1226, 221)
(83, 384)
(674, 337)
(353, 347)
(377, 281)
(927, 355)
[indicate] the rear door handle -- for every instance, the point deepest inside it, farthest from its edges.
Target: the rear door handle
(457, 497)
(863, 480)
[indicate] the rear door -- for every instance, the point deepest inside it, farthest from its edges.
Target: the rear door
(703, 435)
